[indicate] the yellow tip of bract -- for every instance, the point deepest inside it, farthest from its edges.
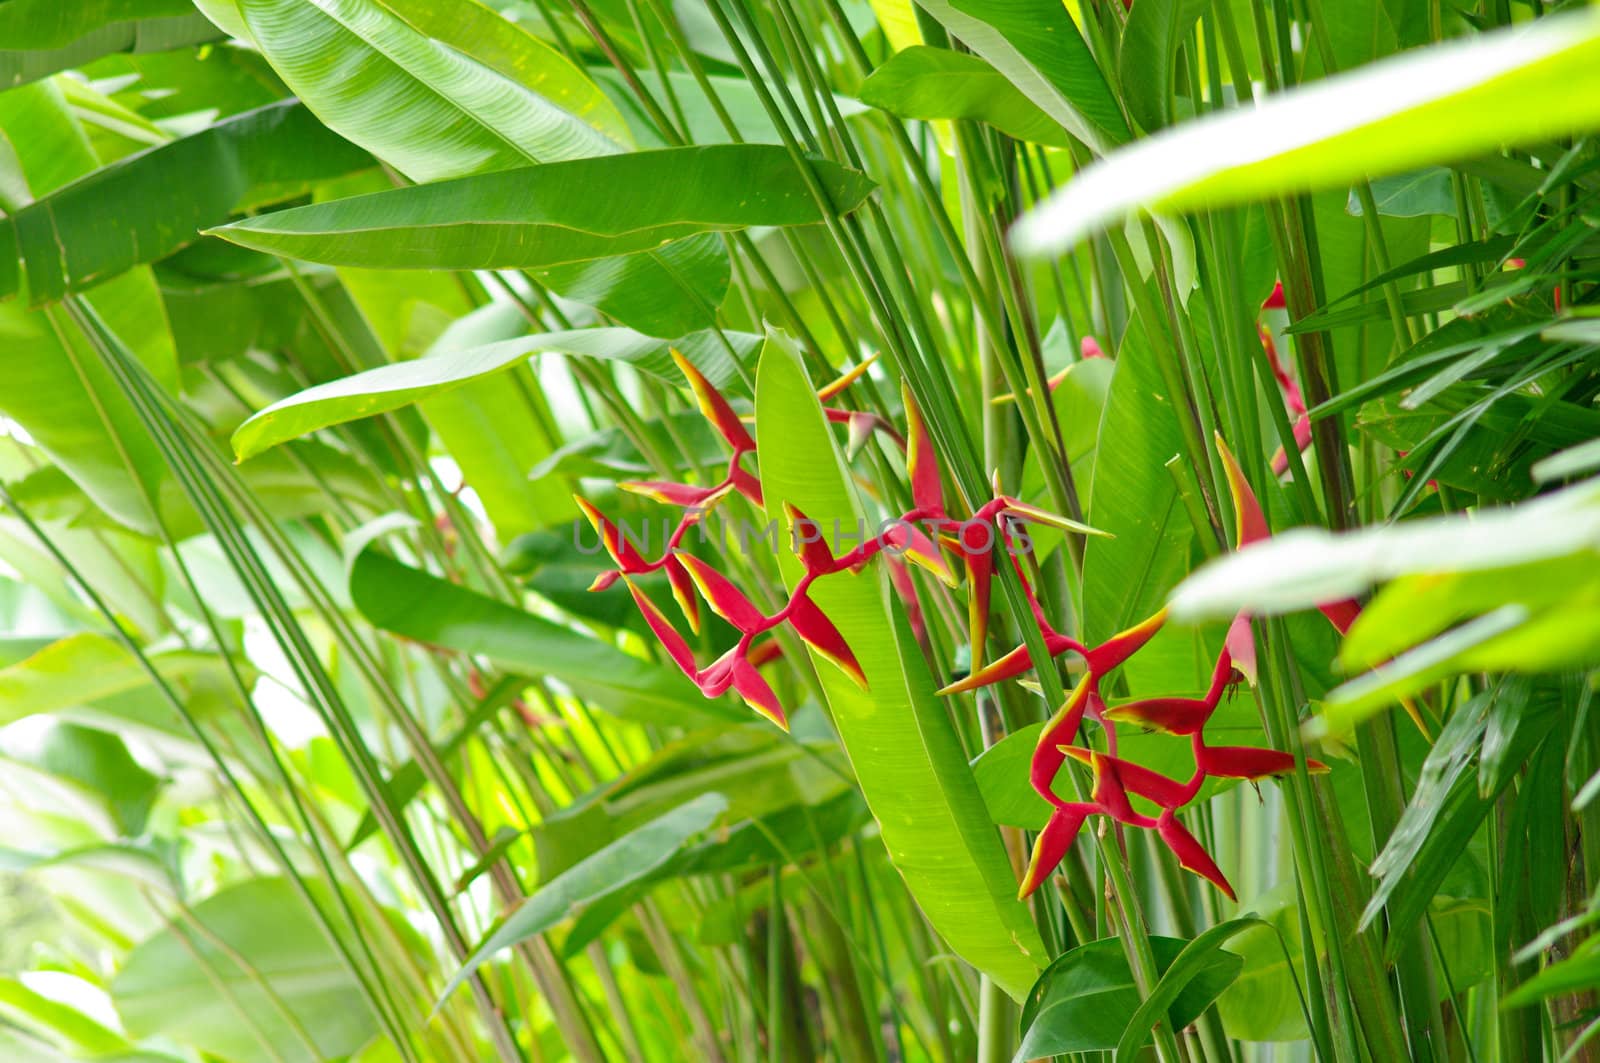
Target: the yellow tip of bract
(850, 377)
(1043, 516)
(1249, 523)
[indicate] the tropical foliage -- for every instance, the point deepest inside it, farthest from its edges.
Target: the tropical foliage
(700, 529)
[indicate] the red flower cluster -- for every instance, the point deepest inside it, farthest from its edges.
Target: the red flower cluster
(692, 579)
(976, 541)
(1115, 779)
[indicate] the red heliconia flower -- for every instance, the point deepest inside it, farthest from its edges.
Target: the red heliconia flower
(914, 547)
(818, 632)
(1051, 846)
(927, 493)
(1190, 853)
(726, 600)
(627, 557)
(756, 692)
(1274, 299)
(805, 537)
(683, 590)
(1089, 347)
(715, 407)
(1136, 778)
(1248, 762)
(1110, 793)
(980, 572)
(1116, 778)
(746, 485)
(1178, 716)
(673, 494)
(665, 633)
(1100, 659)
(1061, 731)
(1119, 647)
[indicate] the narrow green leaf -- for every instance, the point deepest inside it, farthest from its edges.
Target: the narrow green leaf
(403, 601)
(1199, 972)
(390, 387)
(590, 881)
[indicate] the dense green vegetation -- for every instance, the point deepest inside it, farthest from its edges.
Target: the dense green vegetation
(844, 530)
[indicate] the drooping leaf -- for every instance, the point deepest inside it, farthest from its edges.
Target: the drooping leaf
(478, 93)
(413, 604)
(1429, 106)
(906, 755)
(548, 215)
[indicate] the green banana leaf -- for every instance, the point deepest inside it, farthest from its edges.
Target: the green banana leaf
(549, 215)
(163, 197)
(41, 37)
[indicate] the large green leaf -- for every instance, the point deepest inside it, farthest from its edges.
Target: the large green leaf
(40, 37)
(1432, 105)
(1086, 999)
(161, 198)
(549, 215)
(589, 882)
(56, 386)
(413, 604)
(477, 93)
(1038, 48)
(931, 83)
(257, 979)
(390, 387)
(905, 752)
